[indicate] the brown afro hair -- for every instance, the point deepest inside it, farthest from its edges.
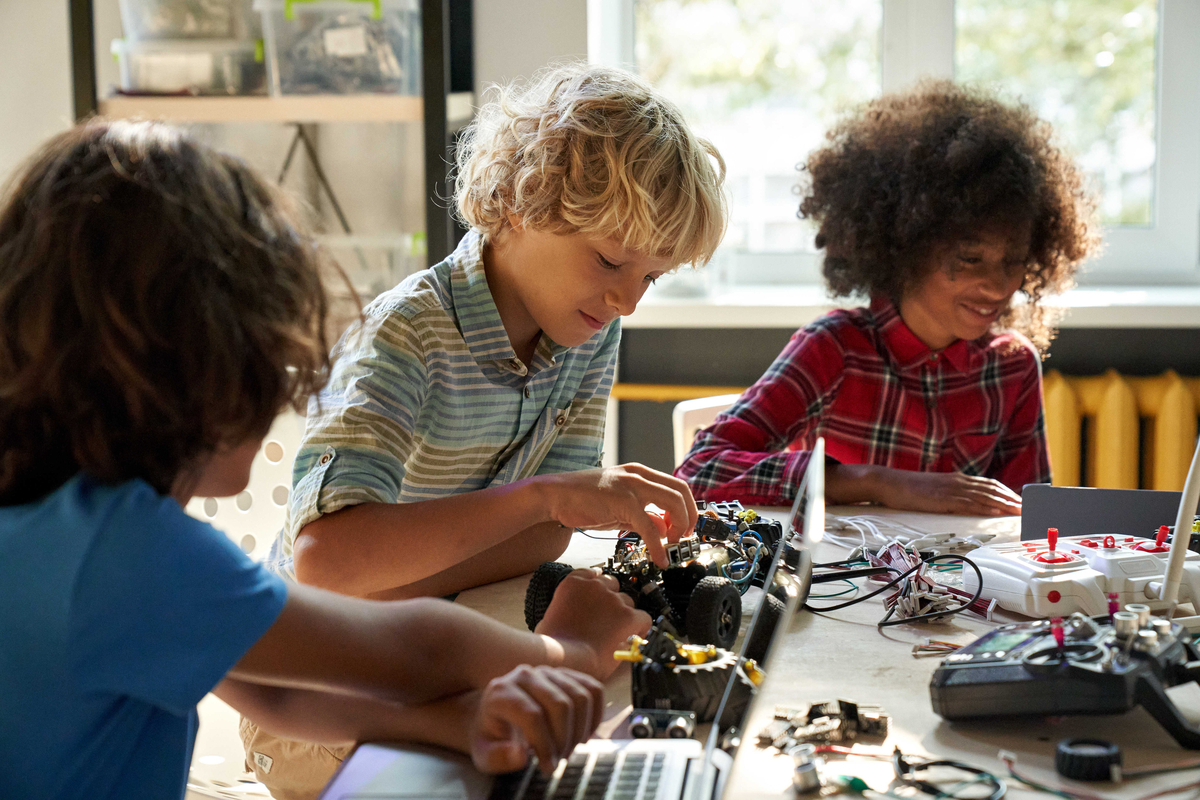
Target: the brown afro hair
(911, 170)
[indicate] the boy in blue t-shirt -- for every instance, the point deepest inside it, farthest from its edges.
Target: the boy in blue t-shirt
(158, 308)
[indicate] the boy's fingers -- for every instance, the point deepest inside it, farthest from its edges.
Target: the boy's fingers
(672, 495)
(558, 707)
(585, 694)
(522, 712)
(499, 757)
(649, 531)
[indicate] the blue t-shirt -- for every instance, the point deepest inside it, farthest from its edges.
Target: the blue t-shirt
(118, 613)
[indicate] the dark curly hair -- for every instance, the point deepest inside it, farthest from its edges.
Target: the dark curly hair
(912, 170)
(156, 303)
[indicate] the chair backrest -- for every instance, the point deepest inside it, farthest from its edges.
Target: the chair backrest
(252, 518)
(690, 416)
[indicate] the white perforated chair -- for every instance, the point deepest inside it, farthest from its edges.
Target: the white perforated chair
(251, 519)
(691, 415)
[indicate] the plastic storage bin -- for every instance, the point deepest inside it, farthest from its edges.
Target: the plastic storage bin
(144, 20)
(342, 46)
(201, 66)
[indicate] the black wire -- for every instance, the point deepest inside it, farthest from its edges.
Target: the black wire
(885, 621)
(601, 538)
(880, 590)
(905, 773)
(846, 574)
(844, 562)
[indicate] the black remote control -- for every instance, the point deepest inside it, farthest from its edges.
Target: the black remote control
(1088, 666)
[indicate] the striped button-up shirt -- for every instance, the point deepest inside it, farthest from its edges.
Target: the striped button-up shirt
(427, 398)
(864, 381)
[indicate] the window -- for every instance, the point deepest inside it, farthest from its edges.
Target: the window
(763, 79)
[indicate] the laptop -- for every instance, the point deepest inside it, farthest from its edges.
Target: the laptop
(1085, 511)
(619, 769)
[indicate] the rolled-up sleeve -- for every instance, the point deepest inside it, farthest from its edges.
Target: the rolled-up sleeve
(361, 427)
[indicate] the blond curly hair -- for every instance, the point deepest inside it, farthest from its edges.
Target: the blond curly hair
(592, 150)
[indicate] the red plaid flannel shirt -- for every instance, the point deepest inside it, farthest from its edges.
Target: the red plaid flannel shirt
(863, 380)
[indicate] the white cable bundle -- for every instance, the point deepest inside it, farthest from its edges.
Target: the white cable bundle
(872, 532)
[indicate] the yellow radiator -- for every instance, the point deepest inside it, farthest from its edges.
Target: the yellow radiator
(1118, 444)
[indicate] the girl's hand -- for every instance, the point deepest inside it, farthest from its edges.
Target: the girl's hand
(544, 709)
(615, 498)
(591, 620)
(907, 490)
(946, 493)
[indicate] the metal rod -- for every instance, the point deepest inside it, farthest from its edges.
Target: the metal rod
(83, 59)
(287, 160)
(435, 76)
(320, 173)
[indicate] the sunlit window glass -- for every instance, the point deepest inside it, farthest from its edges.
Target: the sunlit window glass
(1087, 66)
(762, 79)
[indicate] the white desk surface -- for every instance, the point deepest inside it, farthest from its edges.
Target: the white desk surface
(844, 655)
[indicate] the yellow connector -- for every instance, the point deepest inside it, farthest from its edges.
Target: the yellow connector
(698, 654)
(634, 653)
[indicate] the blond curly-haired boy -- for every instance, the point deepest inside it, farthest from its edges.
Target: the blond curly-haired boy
(459, 439)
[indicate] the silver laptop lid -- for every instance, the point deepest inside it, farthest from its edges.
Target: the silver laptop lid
(811, 497)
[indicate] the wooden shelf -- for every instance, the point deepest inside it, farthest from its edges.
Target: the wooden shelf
(299, 108)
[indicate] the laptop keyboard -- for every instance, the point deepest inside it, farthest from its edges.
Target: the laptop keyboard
(603, 776)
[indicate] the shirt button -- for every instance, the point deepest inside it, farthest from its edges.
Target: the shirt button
(325, 458)
(528, 392)
(560, 420)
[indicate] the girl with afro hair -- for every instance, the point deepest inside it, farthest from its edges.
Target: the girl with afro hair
(939, 205)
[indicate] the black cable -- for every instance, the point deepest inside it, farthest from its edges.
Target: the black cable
(845, 574)
(885, 621)
(843, 563)
(601, 538)
(905, 773)
(880, 590)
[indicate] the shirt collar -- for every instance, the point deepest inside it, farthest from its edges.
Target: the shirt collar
(476, 313)
(908, 352)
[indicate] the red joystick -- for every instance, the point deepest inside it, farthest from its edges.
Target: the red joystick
(1160, 542)
(1052, 556)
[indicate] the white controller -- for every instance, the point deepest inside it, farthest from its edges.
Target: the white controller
(1056, 577)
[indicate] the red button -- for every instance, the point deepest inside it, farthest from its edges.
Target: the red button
(1054, 597)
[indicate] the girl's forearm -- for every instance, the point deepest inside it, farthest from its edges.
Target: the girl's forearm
(339, 719)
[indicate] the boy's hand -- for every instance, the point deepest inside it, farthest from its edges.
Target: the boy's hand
(616, 498)
(545, 709)
(946, 493)
(592, 620)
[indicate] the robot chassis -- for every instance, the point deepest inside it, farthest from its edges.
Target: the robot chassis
(699, 593)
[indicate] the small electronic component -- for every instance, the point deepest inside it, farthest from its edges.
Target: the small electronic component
(824, 723)
(647, 723)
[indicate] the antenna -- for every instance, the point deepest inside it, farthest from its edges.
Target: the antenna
(1183, 534)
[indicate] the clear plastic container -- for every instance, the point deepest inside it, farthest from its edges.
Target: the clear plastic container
(145, 20)
(200, 66)
(342, 46)
(374, 264)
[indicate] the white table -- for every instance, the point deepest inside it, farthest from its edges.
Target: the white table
(844, 655)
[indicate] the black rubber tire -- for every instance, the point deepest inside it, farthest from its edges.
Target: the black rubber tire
(545, 580)
(714, 612)
(768, 619)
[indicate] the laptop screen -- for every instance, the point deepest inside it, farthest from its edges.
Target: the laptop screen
(809, 510)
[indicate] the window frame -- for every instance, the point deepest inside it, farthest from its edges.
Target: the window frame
(917, 39)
